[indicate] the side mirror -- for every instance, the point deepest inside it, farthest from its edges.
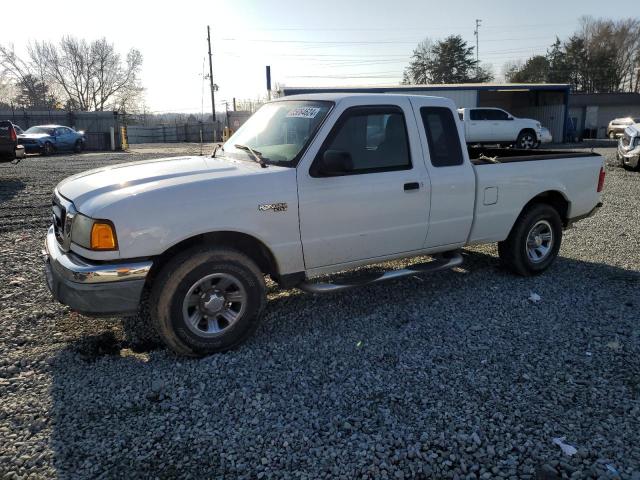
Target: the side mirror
(334, 163)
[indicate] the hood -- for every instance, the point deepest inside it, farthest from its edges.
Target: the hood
(95, 189)
(34, 135)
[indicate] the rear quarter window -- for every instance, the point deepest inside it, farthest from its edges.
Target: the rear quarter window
(5, 131)
(442, 136)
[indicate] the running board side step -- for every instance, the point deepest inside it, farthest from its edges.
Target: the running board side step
(441, 262)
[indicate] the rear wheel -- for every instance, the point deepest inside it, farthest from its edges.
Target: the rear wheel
(534, 241)
(526, 140)
(207, 300)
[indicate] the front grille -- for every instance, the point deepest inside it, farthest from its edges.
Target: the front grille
(27, 141)
(59, 217)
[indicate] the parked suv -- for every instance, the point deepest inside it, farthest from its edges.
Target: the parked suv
(9, 147)
(616, 126)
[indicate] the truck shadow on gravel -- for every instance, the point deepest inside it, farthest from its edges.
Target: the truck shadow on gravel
(9, 188)
(417, 358)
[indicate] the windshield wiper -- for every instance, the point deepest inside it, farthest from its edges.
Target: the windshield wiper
(254, 154)
(215, 150)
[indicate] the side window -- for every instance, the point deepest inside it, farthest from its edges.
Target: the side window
(442, 136)
(375, 138)
(496, 115)
(476, 114)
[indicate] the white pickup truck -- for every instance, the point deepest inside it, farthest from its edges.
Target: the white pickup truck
(308, 186)
(495, 126)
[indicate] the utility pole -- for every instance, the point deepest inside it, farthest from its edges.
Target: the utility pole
(476, 33)
(213, 96)
(268, 82)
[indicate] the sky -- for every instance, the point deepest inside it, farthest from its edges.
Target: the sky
(307, 43)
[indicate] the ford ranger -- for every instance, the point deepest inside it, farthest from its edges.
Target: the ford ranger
(309, 186)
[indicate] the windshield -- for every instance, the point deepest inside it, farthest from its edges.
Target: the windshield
(280, 131)
(45, 130)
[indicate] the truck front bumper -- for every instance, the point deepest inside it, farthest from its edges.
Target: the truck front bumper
(93, 288)
(629, 158)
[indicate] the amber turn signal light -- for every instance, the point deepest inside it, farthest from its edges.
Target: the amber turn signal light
(102, 237)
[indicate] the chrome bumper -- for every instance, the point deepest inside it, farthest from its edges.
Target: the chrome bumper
(97, 289)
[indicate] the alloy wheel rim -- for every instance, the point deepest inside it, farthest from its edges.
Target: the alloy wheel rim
(539, 241)
(527, 141)
(213, 304)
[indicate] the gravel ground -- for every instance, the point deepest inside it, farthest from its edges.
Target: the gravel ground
(457, 375)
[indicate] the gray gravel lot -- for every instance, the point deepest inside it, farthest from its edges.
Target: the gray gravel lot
(457, 375)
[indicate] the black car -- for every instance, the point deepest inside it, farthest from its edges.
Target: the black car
(9, 147)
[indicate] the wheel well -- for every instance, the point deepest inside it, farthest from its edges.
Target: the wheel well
(527, 130)
(554, 199)
(250, 246)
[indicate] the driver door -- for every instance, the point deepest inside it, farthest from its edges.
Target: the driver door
(378, 208)
(62, 138)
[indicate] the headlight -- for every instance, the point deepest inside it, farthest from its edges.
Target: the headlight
(94, 234)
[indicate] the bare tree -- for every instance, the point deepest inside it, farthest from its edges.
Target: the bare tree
(6, 90)
(86, 75)
(114, 82)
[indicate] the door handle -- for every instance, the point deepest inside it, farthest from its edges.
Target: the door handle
(411, 186)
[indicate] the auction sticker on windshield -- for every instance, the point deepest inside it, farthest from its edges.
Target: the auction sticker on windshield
(304, 112)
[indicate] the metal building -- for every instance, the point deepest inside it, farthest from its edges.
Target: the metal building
(590, 113)
(547, 103)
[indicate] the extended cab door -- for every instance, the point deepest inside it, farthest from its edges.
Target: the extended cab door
(380, 205)
(453, 181)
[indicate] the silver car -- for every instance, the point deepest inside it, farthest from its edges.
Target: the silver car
(616, 126)
(629, 147)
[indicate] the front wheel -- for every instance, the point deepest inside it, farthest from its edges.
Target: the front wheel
(47, 149)
(612, 135)
(207, 300)
(526, 140)
(77, 148)
(534, 241)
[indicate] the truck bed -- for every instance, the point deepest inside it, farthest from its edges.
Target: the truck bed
(493, 155)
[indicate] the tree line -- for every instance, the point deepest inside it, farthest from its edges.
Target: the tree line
(73, 74)
(602, 56)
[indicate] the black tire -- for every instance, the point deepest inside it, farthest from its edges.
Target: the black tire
(177, 279)
(47, 149)
(513, 251)
(526, 140)
(77, 148)
(612, 135)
